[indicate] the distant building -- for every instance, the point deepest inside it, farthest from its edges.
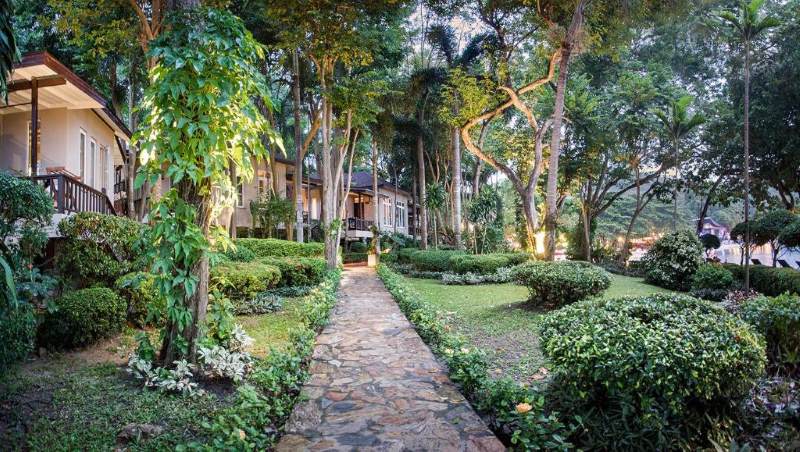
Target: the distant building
(710, 226)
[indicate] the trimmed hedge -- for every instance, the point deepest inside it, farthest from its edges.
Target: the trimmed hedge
(244, 280)
(350, 258)
(281, 248)
(298, 271)
(433, 260)
(97, 249)
(555, 284)
(645, 372)
(145, 304)
(768, 280)
(239, 254)
(485, 264)
(778, 319)
(83, 317)
(712, 282)
(673, 259)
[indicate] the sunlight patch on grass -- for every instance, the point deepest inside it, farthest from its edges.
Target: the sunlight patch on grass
(272, 330)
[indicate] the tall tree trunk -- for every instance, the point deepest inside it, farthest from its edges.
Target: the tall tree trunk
(551, 217)
(531, 219)
(329, 187)
(376, 216)
(476, 177)
(423, 214)
(298, 150)
(675, 187)
(457, 188)
(131, 153)
(706, 204)
(234, 183)
(747, 165)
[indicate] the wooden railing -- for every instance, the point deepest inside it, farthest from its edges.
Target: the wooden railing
(71, 196)
(358, 224)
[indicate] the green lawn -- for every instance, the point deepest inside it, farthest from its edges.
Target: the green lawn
(496, 318)
(82, 400)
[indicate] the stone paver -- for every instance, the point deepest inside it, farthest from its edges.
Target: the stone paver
(376, 386)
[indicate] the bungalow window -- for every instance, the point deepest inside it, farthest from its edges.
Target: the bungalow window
(387, 212)
(92, 162)
(400, 214)
(82, 152)
(239, 192)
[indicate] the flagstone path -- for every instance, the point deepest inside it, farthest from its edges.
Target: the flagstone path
(376, 386)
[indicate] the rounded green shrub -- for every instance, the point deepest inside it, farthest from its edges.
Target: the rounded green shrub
(281, 248)
(358, 247)
(404, 255)
(712, 282)
(298, 271)
(244, 280)
(433, 260)
(555, 284)
(778, 319)
(673, 260)
(18, 330)
(97, 249)
(481, 264)
(644, 372)
(146, 306)
(239, 254)
(83, 317)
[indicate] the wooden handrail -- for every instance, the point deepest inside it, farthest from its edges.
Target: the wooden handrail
(72, 196)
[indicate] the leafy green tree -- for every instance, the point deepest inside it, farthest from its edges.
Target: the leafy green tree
(768, 229)
(436, 199)
(8, 45)
(710, 242)
(678, 122)
(747, 24)
(200, 119)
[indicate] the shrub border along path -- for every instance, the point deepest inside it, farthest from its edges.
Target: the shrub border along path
(375, 384)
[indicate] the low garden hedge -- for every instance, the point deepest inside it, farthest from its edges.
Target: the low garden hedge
(298, 271)
(241, 281)
(769, 280)
(555, 284)
(485, 264)
(645, 372)
(778, 320)
(18, 330)
(83, 317)
(145, 304)
(517, 414)
(433, 260)
(712, 282)
(281, 248)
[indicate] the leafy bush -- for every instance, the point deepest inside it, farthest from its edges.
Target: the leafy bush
(350, 258)
(485, 264)
(262, 303)
(645, 371)
(18, 330)
(778, 319)
(516, 413)
(25, 210)
(712, 282)
(433, 260)
(673, 260)
(98, 249)
(239, 254)
(358, 247)
(404, 255)
(502, 275)
(244, 280)
(557, 284)
(281, 248)
(768, 280)
(146, 306)
(83, 317)
(298, 271)
(710, 242)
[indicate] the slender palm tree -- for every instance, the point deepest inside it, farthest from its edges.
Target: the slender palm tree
(747, 24)
(678, 123)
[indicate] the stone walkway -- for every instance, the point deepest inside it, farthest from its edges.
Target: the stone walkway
(376, 386)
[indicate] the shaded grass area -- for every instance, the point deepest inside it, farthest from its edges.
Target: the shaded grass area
(272, 329)
(496, 318)
(71, 406)
(82, 400)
